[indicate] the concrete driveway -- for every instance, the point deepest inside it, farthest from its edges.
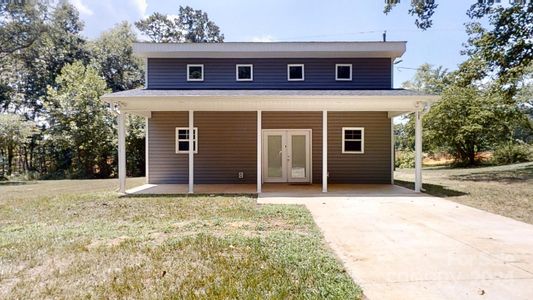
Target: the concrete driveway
(417, 247)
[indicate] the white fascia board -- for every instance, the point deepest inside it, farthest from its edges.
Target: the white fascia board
(292, 103)
(270, 50)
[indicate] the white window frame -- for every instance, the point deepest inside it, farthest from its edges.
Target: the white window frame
(362, 140)
(289, 72)
(189, 73)
(195, 141)
(337, 72)
(251, 66)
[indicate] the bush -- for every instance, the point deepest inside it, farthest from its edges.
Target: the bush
(405, 159)
(512, 153)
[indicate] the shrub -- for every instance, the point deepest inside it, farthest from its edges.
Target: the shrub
(405, 159)
(512, 153)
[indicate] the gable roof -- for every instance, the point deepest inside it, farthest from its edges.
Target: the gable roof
(270, 49)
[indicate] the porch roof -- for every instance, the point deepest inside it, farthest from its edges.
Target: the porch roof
(261, 93)
(394, 101)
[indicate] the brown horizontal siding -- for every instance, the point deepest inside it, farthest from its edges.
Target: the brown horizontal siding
(226, 146)
(300, 120)
(374, 166)
(164, 165)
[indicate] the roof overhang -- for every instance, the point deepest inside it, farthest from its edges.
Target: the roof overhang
(145, 103)
(270, 49)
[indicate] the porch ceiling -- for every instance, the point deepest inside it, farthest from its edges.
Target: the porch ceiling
(139, 101)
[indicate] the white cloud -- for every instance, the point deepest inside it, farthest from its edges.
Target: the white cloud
(142, 6)
(82, 8)
(263, 38)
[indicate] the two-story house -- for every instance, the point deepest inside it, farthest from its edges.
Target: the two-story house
(255, 113)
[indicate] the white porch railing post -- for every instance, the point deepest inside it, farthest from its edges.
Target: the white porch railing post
(259, 151)
(122, 152)
(418, 151)
(191, 151)
(146, 150)
(325, 151)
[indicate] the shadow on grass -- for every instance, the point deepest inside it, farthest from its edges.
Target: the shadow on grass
(432, 189)
(9, 183)
(507, 176)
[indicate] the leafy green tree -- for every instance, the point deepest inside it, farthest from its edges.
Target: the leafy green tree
(112, 54)
(15, 133)
(81, 125)
(191, 26)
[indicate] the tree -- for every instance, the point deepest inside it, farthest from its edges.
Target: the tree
(21, 24)
(189, 26)
(81, 125)
(112, 55)
(15, 132)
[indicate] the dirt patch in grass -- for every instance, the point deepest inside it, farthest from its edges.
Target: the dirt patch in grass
(101, 246)
(504, 190)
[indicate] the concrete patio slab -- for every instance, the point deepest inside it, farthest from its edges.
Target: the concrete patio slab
(408, 247)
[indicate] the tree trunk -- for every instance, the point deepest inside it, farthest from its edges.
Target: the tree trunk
(9, 160)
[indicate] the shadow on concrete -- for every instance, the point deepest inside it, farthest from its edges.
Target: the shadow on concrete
(432, 189)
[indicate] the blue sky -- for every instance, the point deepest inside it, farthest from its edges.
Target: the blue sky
(304, 20)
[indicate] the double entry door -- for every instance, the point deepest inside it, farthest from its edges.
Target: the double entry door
(287, 155)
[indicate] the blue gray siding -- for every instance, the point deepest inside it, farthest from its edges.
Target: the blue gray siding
(368, 73)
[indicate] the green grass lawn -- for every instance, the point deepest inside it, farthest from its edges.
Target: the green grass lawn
(504, 190)
(92, 244)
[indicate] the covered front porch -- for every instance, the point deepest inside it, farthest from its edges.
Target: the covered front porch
(273, 190)
(195, 110)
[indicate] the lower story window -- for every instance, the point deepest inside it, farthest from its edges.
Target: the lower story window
(353, 140)
(182, 140)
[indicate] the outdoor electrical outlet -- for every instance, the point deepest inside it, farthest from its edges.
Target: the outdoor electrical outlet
(241, 175)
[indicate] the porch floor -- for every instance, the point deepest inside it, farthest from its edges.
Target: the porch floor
(273, 189)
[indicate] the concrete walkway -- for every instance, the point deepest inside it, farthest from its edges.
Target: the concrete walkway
(413, 247)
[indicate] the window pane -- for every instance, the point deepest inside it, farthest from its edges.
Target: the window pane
(245, 72)
(352, 134)
(195, 72)
(343, 72)
(183, 134)
(354, 146)
(183, 146)
(274, 154)
(299, 159)
(296, 72)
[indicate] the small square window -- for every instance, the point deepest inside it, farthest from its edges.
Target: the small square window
(343, 72)
(195, 72)
(295, 72)
(182, 140)
(245, 72)
(353, 140)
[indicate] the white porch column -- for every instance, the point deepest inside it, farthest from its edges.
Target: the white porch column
(191, 151)
(325, 151)
(122, 152)
(418, 151)
(259, 151)
(146, 151)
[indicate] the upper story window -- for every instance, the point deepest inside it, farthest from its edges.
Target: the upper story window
(195, 72)
(245, 72)
(343, 72)
(295, 72)
(353, 140)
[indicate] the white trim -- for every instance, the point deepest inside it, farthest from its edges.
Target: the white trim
(122, 152)
(146, 72)
(337, 72)
(325, 151)
(289, 72)
(392, 73)
(191, 153)
(393, 149)
(188, 73)
(251, 66)
(362, 129)
(270, 50)
(195, 140)
(259, 151)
